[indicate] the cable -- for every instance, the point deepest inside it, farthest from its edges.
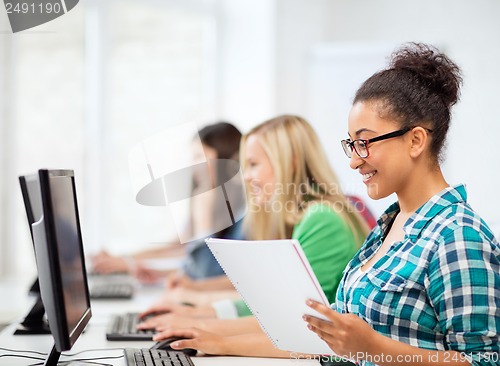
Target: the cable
(89, 360)
(92, 350)
(95, 358)
(23, 356)
(62, 363)
(23, 351)
(63, 354)
(80, 360)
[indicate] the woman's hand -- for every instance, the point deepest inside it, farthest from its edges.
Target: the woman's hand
(346, 334)
(201, 311)
(168, 321)
(105, 263)
(146, 275)
(352, 338)
(179, 279)
(248, 344)
(206, 342)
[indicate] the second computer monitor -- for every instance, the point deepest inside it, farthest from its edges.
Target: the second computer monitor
(30, 189)
(34, 322)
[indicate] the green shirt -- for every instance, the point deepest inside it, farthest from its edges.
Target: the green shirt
(328, 243)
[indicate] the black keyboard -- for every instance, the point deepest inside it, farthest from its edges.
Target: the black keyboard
(156, 357)
(111, 291)
(123, 328)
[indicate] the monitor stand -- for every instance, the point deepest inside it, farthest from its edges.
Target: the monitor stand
(34, 322)
(53, 360)
(53, 357)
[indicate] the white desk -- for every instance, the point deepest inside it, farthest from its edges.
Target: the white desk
(94, 336)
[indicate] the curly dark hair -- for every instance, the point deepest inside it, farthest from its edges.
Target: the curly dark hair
(418, 88)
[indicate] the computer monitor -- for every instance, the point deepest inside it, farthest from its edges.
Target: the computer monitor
(60, 261)
(34, 322)
(30, 189)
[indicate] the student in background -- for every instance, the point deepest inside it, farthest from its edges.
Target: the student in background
(425, 287)
(292, 193)
(200, 270)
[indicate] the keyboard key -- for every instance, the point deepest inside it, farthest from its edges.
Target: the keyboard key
(124, 327)
(149, 357)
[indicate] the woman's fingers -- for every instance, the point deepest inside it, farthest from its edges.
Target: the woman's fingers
(187, 333)
(328, 312)
(194, 338)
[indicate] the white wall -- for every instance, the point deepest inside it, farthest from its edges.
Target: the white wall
(468, 31)
(300, 24)
(237, 79)
(334, 73)
(246, 61)
(6, 217)
(264, 57)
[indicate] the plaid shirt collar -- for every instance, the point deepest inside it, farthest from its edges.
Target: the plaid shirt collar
(414, 225)
(419, 220)
(447, 197)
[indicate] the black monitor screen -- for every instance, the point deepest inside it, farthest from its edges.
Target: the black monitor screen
(68, 246)
(61, 261)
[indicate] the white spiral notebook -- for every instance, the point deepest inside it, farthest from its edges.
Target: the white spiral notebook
(275, 279)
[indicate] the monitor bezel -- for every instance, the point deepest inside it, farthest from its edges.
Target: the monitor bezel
(52, 290)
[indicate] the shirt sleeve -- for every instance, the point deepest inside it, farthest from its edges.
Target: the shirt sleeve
(225, 309)
(464, 289)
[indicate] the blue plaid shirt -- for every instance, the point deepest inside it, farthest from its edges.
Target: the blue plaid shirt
(439, 288)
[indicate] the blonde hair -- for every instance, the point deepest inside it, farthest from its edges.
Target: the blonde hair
(303, 176)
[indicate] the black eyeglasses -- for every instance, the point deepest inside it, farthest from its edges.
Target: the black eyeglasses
(361, 146)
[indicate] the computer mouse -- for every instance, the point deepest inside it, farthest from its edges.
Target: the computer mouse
(165, 345)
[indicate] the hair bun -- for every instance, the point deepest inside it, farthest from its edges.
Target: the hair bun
(438, 73)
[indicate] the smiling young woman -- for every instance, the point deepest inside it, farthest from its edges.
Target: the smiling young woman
(424, 288)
